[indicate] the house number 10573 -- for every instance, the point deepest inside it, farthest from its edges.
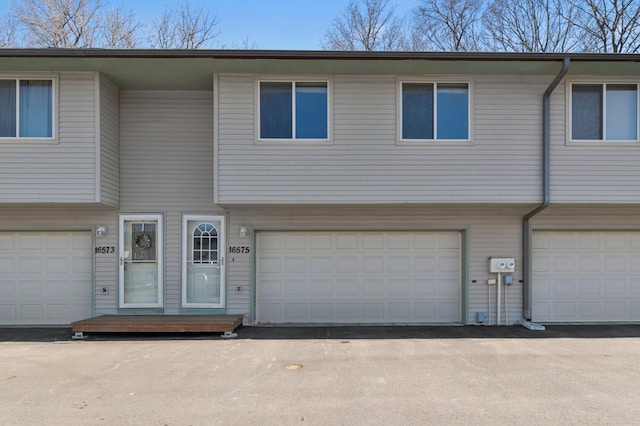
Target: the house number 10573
(105, 249)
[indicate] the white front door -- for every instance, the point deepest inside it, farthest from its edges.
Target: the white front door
(141, 261)
(203, 268)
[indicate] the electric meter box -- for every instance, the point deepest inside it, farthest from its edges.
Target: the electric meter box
(502, 264)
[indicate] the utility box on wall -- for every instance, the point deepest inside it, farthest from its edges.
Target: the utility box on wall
(502, 264)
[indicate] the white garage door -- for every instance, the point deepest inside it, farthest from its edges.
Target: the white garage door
(358, 277)
(46, 277)
(586, 276)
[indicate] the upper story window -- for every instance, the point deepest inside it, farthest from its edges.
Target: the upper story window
(604, 112)
(26, 108)
(291, 110)
(434, 111)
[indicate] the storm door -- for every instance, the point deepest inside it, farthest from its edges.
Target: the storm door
(203, 268)
(141, 261)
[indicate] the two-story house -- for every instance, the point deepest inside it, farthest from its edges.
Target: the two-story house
(319, 187)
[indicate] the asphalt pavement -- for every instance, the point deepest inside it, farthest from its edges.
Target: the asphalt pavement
(324, 376)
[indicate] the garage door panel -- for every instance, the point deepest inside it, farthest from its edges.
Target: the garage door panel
(31, 265)
(450, 263)
(372, 311)
(589, 263)
(590, 287)
(7, 289)
(7, 265)
(296, 288)
(372, 264)
(615, 264)
(399, 242)
(346, 288)
(348, 241)
(29, 242)
(615, 241)
(346, 312)
(357, 277)
(399, 265)
(373, 242)
(8, 313)
(374, 288)
(563, 263)
(601, 289)
(399, 288)
(398, 311)
(320, 265)
(321, 287)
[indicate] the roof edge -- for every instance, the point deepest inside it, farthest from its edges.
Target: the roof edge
(311, 55)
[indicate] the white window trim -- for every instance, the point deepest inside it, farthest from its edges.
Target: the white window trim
(54, 109)
(160, 252)
(435, 140)
(221, 259)
(604, 141)
(293, 140)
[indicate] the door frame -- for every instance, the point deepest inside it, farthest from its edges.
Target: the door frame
(160, 259)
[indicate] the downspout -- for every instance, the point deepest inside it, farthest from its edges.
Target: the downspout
(546, 188)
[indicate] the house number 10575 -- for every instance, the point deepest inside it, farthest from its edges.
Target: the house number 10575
(238, 249)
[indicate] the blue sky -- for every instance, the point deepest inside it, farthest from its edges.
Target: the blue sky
(268, 24)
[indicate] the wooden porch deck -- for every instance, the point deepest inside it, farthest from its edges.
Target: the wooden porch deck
(158, 324)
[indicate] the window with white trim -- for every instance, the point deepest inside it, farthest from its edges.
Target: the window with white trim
(434, 111)
(604, 112)
(291, 110)
(204, 244)
(26, 108)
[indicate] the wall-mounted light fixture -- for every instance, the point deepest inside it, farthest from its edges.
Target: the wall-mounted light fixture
(243, 232)
(101, 230)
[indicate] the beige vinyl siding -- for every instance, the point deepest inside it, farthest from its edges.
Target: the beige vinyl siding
(490, 232)
(56, 172)
(20, 217)
(364, 163)
(167, 166)
(109, 142)
(594, 172)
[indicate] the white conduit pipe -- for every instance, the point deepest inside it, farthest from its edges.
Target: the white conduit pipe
(498, 308)
(506, 306)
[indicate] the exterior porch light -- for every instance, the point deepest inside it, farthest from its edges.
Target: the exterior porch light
(243, 232)
(101, 230)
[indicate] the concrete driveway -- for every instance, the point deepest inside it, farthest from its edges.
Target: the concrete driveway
(324, 376)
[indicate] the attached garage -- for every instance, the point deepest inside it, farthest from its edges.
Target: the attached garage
(46, 277)
(358, 277)
(586, 276)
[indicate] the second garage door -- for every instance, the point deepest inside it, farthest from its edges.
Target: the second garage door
(358, 277)
(586, 276)
(45, 277)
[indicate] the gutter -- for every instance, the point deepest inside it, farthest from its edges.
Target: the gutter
(546, 189)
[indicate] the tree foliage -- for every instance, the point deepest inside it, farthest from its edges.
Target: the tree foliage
(366, 25)
(90, 24)
(450, 25)
(59, 23)
(531, 25)
(183, 28)
(609, 26)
